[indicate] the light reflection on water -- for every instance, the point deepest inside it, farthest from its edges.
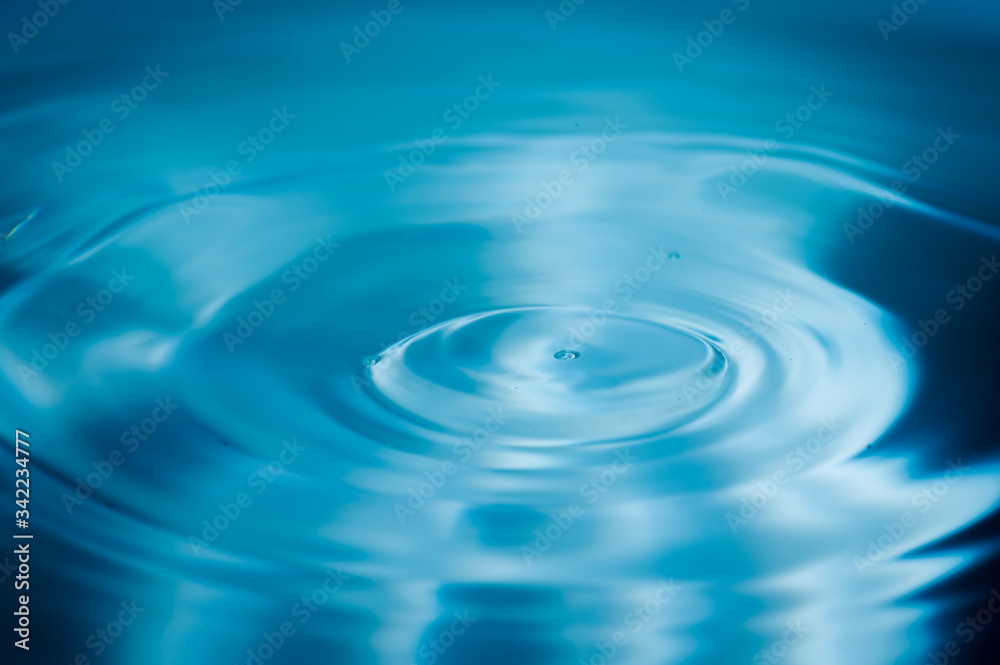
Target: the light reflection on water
(605, 363)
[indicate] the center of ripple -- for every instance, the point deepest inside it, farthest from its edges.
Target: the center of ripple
(628, 377)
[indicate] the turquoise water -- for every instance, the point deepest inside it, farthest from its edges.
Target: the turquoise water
(505, 333)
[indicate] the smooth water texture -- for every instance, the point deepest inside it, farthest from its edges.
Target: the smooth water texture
(505, 339)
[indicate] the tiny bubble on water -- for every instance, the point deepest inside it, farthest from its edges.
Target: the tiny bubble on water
(566, 354)
(370, 361)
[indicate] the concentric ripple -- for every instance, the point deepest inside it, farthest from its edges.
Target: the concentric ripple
(618, 388)
(416, 371)
(421, 360)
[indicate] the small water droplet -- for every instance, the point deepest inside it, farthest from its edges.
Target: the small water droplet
(566, 354)
(371, 361)
(673, 256)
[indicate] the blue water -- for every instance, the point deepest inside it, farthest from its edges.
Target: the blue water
(514, 333)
